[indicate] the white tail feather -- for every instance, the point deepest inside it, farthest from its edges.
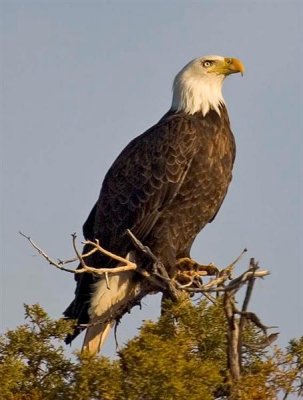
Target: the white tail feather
(105, 303)
(95, 337)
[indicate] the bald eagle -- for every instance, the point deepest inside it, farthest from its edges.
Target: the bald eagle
(165, 186)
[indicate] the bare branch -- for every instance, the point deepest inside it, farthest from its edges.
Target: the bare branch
(255, 320)
(268, 340)
(128, 265)
(253, 266)
(233, 356)
(215, 285)
(158, 277)
(71, 260)
(144, 249)
(79, 257)
(108, 253)
(159, 271)
(246, 276)
(44, 255)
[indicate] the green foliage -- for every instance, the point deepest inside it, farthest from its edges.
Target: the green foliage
(96, 378)
(295, 360)
(31, 363)
(181, 356)
(170, 359)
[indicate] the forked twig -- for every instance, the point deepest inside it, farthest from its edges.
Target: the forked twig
(128, 265)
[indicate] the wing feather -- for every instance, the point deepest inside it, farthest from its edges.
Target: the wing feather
(144, 180)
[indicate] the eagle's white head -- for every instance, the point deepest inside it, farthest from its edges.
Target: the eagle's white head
(198, 86)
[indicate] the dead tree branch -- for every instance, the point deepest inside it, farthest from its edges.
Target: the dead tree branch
(184, 282)
(159, 270)
(236, 319)
(128, 265)
(253, 267)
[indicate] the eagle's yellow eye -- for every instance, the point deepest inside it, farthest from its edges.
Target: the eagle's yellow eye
(207, 63)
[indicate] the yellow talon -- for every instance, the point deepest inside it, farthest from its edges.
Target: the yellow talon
(189, 270)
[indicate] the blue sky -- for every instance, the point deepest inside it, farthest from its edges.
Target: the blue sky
(80, 79)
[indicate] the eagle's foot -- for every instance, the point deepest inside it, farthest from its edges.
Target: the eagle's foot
(189, 271)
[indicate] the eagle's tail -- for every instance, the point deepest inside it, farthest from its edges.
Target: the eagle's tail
(95, 336)
(110, 300)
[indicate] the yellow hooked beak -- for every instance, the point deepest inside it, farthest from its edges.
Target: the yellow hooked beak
(229, 66)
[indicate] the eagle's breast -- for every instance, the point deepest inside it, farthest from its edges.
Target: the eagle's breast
(202, 191)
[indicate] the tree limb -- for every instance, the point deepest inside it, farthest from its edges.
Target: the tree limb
(156, 278)
(128, 265)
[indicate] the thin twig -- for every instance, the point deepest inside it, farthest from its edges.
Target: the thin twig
(44, 255)
(80, 258)
(111, 255)
(71, 260)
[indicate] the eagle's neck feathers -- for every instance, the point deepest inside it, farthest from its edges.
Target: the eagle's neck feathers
(191, 94)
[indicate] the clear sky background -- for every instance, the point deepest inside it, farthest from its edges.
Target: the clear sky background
(80, 79)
